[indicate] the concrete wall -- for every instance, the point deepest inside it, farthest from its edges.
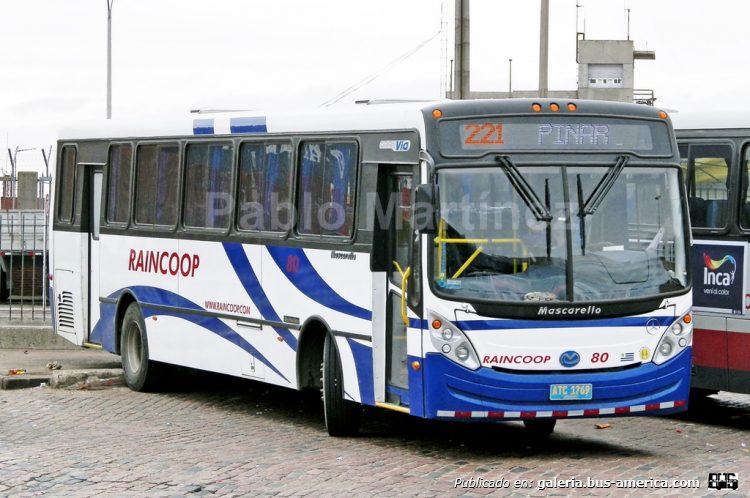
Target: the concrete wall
(27, 189)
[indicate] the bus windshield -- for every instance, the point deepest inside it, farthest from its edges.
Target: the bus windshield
(559, 233)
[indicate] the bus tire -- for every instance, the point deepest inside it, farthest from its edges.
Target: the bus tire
(540, 427)
(139, 372)
(343, 417)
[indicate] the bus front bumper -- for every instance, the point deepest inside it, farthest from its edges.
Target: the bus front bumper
(453, 392)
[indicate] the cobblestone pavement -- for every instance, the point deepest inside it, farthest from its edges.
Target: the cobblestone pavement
(223, 437)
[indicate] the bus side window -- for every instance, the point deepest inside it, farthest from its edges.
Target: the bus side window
(118, 194)
(208, 185)
(745, 189)
(156, 184)
(328, 174)
(708, 168)
(66, 194)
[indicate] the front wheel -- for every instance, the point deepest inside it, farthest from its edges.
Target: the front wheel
(139, 372)
(343, 417)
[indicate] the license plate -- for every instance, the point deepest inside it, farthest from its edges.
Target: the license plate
(563, 392)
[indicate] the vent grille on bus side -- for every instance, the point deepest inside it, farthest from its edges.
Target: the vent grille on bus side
(65, 312)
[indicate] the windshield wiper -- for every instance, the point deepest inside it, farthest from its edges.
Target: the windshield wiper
(581, 217)
(597, 196)
(605, 184)
(540, 211)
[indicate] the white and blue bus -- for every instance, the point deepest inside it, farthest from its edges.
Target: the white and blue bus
(457, 260)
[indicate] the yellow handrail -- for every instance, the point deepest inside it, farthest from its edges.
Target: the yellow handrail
(468, 261)
(404, 278)
(440, 239)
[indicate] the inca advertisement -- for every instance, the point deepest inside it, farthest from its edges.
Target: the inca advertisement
(718, 276)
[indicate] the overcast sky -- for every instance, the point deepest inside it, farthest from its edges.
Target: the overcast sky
(173, 56)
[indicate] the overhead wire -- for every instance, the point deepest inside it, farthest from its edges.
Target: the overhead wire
(377, 73)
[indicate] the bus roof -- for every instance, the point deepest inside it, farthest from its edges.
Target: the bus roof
(376, 115)
(370, 117)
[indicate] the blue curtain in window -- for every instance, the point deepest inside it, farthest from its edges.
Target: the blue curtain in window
(270, 180)
(342, 171)
(311, 159)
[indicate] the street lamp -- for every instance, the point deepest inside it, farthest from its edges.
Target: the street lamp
(110, 3)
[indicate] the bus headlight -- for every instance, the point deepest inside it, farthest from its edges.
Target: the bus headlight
(452, 342)
(677, 337)
(665, 348)
(462, 353)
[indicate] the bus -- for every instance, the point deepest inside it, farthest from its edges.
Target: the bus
(484, 260)
(715, 155)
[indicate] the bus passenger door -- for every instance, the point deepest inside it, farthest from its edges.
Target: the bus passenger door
(391, 340)
(95, 205)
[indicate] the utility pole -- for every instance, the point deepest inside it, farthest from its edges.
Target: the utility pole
(510, 78)
(451, 78)
(110, 3)
(544, 50)
(462, 49)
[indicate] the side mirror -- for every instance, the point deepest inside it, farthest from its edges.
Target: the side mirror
(426, 208)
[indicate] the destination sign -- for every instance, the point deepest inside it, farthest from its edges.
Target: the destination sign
(478, 136)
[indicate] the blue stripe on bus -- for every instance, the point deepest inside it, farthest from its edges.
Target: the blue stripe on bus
(256, 124)
(555, 324)
(308, 281)
(203, 127)
(153, 295)
(363, 363)
(244, 271)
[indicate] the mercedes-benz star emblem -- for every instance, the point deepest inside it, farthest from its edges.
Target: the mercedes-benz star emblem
(653, 326)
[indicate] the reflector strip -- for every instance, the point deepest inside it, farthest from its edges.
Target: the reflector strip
(594, 412)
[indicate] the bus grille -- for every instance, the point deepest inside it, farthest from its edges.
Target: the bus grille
(64, 311)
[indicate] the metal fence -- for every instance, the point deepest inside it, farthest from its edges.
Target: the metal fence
(24, 259)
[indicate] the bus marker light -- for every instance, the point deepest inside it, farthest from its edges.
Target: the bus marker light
(662, 115)
(536, 107)
(415, 365)
(437, 113)
(436, 324)
(554, 107)
(687, 319)
(446, 348)
(280, 339)
(572, 107)
(153, 318)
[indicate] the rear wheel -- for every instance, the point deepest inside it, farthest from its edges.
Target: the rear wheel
(540, 427)
(139, 372)
(343, 417)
